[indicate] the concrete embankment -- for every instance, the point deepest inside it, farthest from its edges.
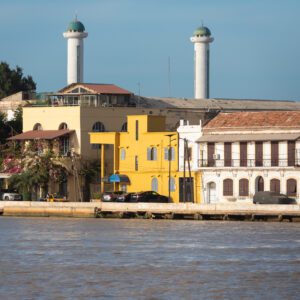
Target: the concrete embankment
(234, 211)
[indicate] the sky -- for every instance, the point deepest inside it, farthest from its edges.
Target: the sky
(134, 44)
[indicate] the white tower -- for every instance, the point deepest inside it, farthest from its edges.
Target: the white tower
(75, 35)
(201, 38)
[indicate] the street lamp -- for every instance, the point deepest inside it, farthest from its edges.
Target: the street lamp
(169, 158)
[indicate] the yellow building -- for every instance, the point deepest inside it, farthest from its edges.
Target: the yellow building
(145, 157)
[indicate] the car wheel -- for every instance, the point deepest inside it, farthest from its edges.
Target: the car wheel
(6, 198)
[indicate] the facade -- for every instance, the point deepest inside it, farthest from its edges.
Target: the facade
(146, 157)
(75, 35)
(201, 39)
(245, 152)
(80, 109)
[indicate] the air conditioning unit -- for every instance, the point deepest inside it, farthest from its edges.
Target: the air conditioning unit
(216, 156)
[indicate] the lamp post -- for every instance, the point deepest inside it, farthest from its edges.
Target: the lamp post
(169, 158)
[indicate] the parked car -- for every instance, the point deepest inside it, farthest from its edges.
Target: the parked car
(126, 197)
(111, 196)
(55, 198)
(272, 198)
(10, 195)
(148, 196)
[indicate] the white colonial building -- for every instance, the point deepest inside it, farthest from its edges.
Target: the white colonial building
(245, 152)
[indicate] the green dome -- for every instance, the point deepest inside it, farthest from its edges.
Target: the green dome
(202, 31)
(76, 26)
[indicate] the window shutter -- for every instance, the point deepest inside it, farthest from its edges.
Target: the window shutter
(166, 153)
(154, 153)
(148, 153)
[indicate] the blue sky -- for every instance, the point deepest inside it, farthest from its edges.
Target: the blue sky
(256, 52)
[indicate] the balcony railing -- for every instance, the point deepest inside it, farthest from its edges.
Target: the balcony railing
(204, 163)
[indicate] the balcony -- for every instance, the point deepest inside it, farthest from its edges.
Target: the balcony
(252, 163)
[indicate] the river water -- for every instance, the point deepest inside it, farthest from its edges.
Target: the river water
(58, 258)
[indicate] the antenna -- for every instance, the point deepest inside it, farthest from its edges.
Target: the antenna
(169, 77)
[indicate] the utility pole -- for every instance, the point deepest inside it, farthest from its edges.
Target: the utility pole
(184, 181)
(169, 158)
(190, 173)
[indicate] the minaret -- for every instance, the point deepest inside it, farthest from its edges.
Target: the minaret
(201, 38)
(75, 35)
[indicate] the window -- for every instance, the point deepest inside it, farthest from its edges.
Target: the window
(243, 154)
(151, 153)
(274, 153)
(291, 187)
(154, 184)
(63, 126)
(227, 154)
(169, 153)
(172, 184)
(210, 154)
(291, 153)
(228, 187)
(136, 130)
(122, 154)
(243, 187)
(136, 163)
(275, 185)
(98, 127)
(37, 126)
(124, 127)
(260, 184)
(64, 145)
(258, 154)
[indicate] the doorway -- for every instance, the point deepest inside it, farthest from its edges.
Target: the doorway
(211, 192)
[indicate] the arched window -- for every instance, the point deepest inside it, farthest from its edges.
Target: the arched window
(259, 184)
(124, 127)
(291, 187)
(151, 153)
(228, 187)
(172, 184)
(154, 184)
(244, 187)
(37, 126)
(122, 154)
(98, 127)
(275, 185)
(63, 126)
(169, 153)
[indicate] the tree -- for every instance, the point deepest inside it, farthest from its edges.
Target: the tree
(13, 81)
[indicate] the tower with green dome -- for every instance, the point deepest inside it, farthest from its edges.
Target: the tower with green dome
(201, 39)
(75, 34)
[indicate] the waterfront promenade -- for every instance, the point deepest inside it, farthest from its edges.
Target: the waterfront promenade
(235, 211)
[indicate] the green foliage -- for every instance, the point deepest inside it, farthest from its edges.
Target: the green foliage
(13, 81)
(96, 195)
(38, 170)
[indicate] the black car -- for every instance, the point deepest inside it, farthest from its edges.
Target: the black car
(126, 197)
(148, 196)
(272, 198)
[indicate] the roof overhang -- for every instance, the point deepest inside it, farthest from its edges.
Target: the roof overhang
(119, 178)
(40, 135)
(249, 137)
